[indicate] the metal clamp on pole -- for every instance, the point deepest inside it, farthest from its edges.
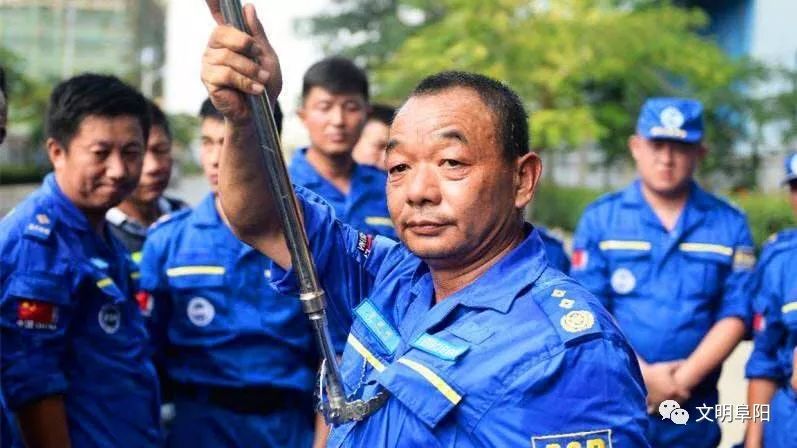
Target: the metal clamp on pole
(336, 409)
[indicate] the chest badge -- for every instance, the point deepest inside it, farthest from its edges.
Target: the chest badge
(110, 318)
(623, 281)
(200, 311)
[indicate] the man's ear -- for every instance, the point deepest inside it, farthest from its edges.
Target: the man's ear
(56, 153)
(633, 145)
(528, 170)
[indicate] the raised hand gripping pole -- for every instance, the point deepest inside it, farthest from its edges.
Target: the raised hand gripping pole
(336, 409)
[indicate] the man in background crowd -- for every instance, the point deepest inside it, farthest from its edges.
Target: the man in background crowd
(146, 204)
(240, 357)
(772, 368)
(668, 258)
(334, 110)
(370, 149)
(74, 362)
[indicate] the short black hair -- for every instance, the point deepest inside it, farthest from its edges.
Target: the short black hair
(382, 113)
(510, 116)
(336, 74)
(158, 118)
(208, 110)
(92, 94)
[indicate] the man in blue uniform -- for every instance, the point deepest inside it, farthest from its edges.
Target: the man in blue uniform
(240, 357)
(673, 264)
(75, 364)
(463, 335)
(146, 204)
(334, 110)
(772, 368)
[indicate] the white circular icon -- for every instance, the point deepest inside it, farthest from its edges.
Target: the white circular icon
(623, 281)
(670, 409)
(110, 318)
(200, 311)
(671, 118)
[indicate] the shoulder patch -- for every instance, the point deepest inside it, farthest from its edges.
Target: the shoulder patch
(39, 227)
(569, 312)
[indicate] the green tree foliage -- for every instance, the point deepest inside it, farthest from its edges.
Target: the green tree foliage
(582, 66)
(28, 97)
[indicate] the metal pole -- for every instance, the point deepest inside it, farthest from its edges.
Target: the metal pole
(311, 294)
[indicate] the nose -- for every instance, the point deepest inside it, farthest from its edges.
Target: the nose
(422, 187)
(115, 167)
(336, 115)
(214, 153)
(666, 153)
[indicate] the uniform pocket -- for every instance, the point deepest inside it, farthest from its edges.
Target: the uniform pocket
(198, 292)
(629, 270)
(424, 389)
(704, 271)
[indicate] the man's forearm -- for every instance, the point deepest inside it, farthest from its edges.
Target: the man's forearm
(245, 196)
(43, 424)
(715, 347)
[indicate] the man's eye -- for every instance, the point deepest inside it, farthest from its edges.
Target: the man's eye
(400, 168)
(451, 163)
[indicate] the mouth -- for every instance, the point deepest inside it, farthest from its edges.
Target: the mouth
(155, 186)
(337, 138)
(426, 227)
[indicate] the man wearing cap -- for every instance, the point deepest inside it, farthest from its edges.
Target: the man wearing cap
(772, 368)
(674, 265)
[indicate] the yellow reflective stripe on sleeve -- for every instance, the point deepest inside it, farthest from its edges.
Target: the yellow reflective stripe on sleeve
(135, 275)
(107, 281)
(789, 307)
(704, 247)
(624, 245)
(195, 270)
(136, 256)
(365, 353)
(432, 377)
(378, 221)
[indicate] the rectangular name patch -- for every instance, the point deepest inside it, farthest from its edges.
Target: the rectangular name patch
(438, 347)
(379, 326)
(590, 439)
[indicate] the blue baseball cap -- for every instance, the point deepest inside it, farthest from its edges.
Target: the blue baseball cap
(678, 119)
(791, 167)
